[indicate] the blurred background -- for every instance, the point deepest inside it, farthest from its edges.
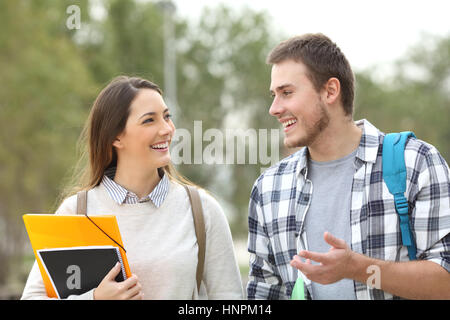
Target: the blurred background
(209, 59)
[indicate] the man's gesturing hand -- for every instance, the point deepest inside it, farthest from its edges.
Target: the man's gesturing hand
(334, 265)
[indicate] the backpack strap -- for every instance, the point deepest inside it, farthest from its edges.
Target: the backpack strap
(394, 175)
(82, 210)
(82, 202)
(200, 232)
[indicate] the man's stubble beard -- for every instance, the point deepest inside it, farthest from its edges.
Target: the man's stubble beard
(312, 131)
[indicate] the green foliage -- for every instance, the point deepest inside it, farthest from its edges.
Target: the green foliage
(129, 41)
(46, 89)
(417, 98)
(219, 74)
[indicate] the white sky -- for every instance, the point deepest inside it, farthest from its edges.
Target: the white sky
(368, 32)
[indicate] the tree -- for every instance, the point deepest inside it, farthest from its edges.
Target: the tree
(417, 97)
(223, 81)
(44, 96)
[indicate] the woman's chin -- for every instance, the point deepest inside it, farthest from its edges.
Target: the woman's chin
(163, 160)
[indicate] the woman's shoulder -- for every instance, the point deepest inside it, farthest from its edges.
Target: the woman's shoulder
(209, 202)
(69, 204)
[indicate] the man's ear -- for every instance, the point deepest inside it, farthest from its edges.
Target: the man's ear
(332, 90)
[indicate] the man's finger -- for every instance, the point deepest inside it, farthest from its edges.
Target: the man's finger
(305, 268)
(315, 256)
(333, 241)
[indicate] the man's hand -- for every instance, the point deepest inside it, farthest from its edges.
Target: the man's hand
(334, 265)
(419, 279)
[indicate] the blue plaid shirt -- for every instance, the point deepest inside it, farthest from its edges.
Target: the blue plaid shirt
(281, 196)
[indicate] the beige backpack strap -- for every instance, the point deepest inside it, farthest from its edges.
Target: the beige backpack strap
(82, 210)
(82, 202)
(197, 212)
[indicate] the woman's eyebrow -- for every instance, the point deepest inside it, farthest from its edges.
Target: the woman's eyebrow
(152, 113)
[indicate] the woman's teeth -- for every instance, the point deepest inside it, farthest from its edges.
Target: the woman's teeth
(161, 146)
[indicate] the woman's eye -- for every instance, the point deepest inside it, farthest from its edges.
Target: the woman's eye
(168, 116)
(148, 120)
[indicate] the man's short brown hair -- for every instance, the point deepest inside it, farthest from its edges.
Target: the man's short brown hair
(323, 59)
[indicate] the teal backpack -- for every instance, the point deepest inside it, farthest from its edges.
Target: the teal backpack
(394, 175)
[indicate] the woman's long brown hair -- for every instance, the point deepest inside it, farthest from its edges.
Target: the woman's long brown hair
(107, 119)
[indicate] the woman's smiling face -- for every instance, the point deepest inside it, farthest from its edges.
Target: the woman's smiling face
(148, 131)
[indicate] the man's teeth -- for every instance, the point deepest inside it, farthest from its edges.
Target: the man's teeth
(287, 123)
(161, 146)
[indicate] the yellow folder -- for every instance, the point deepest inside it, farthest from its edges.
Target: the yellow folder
(48, 231)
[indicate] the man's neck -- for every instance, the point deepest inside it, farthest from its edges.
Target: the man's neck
(339, 139)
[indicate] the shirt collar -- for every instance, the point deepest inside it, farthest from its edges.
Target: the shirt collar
(368, 146)
(119, 194)
(367, 150)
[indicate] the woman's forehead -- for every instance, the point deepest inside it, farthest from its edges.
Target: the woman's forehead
(147, 100)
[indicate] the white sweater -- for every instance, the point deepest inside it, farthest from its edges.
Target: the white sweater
(162, 247)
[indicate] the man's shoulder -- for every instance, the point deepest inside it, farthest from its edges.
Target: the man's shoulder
(284, 167)
(420, 157)
(419, 146)
(419, 152)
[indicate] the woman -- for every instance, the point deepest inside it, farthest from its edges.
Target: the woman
(130, 175)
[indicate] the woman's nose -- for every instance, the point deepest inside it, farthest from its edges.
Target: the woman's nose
(167, 128)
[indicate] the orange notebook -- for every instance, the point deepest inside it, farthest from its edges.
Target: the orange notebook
(47, 231)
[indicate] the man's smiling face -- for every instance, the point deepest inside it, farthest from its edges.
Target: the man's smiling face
(297, 104)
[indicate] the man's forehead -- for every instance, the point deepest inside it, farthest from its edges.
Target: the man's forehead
(286, 73)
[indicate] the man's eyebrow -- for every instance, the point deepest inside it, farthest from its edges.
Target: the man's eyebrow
(283, 86)
(152, 113)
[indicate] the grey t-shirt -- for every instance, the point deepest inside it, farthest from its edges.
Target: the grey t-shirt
(330, 211)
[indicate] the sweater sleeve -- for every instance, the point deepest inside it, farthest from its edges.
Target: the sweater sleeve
(221, 275)
(34, 287)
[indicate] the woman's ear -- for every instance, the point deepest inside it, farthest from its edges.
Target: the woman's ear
(117, 143)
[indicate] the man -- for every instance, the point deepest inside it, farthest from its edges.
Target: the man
(325, 213)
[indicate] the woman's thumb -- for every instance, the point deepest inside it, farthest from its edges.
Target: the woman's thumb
(112, 274)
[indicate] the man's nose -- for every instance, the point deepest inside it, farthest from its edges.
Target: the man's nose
(276, 108)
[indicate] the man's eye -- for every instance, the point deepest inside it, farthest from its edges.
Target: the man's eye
(286, 93)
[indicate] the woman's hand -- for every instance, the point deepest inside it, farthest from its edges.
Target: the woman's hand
(109, 289)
